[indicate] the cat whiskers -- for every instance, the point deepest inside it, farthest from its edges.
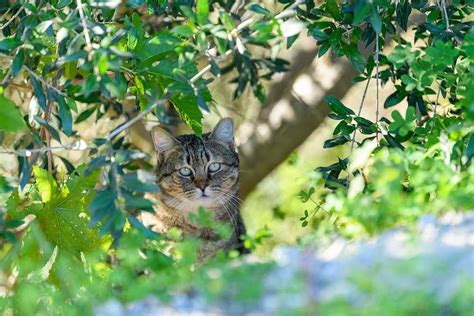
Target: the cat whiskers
(229, 196)
(232, 218)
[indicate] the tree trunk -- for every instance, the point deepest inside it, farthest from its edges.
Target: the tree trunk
(285, 124)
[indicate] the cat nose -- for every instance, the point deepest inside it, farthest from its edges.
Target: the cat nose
(201, 185)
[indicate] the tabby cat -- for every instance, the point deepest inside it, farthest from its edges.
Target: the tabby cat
(195, 172)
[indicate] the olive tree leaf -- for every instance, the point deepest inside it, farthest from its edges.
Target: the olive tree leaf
(257, 8)
(202, 10)
(18, 62)
(338, 107)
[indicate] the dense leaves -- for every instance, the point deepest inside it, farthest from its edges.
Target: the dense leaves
(431, 120)
(94, 61)
(69, 236)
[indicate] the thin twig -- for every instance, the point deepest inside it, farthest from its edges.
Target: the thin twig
(19, 86)
(377, 100)
(360, 110)
(78, 146)
(123, 127)
(50, 154)
(444, 12)
(47, 137)
(84, 25)
(12, 19)
(208, 67)
(7, 77)
(6, 13)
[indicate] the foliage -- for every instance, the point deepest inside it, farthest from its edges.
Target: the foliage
(83, 60)
(69, 235)
(420, 159)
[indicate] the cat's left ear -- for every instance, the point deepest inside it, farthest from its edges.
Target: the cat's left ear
(162, 139)
(224, 131)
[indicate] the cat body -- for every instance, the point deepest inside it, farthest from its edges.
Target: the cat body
(195, 172)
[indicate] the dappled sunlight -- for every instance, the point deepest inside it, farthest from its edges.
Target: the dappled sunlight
(236, 158)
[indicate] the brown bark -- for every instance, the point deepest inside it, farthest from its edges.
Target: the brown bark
(286, 124)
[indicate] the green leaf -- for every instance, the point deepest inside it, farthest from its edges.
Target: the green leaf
(343, 128)
(339, 140)
(356, 58)
(202, 10)
(183, 30)
(54, 133)
(337, 107)
(470, 147)
(173, 78)
(46, 184)
(392, 141)
(85, 114)
(64, 218)
(394, 99)
(65, 115)
(361, 11)
(375, 20)
(401, 55)
(10, 116)
(62, 3)
(443, 54)
(316, 32)
(38, 92)
(8, 44)
(188, 110)
(227, 21)
(257, 8)
(410, 83)
(18, 62)
(103, 203)
(333, 9)
(157, 48)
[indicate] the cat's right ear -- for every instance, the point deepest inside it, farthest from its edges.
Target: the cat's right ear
(162, 140)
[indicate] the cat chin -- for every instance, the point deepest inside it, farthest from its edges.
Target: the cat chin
(192, 206)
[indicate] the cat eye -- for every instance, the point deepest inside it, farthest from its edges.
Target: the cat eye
(186, 172)
(214, 167)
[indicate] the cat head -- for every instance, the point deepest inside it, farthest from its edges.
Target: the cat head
(195, 172)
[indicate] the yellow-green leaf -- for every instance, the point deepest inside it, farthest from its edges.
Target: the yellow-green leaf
(10, 116)
(46, 184)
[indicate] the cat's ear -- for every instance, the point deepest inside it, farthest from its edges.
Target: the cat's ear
(224, 131)
(162, 139)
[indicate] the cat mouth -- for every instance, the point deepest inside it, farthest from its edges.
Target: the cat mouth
(204, 198)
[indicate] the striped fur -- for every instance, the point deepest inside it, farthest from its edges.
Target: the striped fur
(215, 191)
